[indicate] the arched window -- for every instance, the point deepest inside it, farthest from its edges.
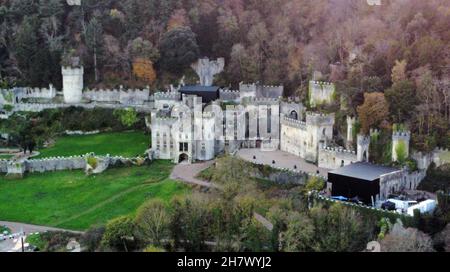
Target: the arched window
(293, 115)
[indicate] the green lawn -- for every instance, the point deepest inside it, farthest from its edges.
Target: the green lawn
(445, 156)
(69, 199)
(127, 144)
(5, 156)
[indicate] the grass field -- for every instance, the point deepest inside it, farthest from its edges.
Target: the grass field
(72, 200)
(445, 156)
(5, 156)
(127, 144)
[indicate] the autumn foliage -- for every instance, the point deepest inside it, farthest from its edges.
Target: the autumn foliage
(143, 70)
(374, 111)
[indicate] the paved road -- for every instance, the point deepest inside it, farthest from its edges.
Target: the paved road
(282, 159)
(15, 245)
(188, 173)
(28, 228)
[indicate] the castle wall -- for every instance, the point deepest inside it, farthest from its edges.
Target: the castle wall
(52, 164)
(3, 166)
(334, 158)
(304, 138)
(293, 137)
(290, 109)
(321, 92)
(398, 181)
(229, 95)
(37, 107)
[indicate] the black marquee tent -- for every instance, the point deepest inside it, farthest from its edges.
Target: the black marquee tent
(359, 179)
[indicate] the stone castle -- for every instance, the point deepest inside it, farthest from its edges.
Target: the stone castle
(200, 122)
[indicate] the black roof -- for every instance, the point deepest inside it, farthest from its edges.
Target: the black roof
(199, 88)
(363, 171)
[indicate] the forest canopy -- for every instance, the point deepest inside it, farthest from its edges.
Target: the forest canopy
(400, 49)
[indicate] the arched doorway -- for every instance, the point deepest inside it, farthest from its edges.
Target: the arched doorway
(293, 115)
(365, 156)
(184, 158)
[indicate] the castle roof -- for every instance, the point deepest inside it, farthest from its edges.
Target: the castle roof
(363, 171)
(207, 93)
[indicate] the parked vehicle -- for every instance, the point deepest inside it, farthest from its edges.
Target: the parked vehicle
(390, 206)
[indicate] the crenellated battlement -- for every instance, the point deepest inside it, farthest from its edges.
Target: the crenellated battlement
(319, 119)
(401, 135)
(166, 96)
(338, 150)
(374, 131)
(208, 115)
(260, 100)
(123, 96)
(363, 139)
(293, 123)
(321, 83)
(321, 92)
(72, 71)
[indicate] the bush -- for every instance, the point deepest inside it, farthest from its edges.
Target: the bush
(117, 231)
(92, 161)
(8, 107)
(128, 117)
(152, 248)
(315, 184)
(92, 238)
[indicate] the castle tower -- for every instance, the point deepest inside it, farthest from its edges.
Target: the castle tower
(400, 143)
(362, 152)
(72, 84)
(350, 123)
(319, 128)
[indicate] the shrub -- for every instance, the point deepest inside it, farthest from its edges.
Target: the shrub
(128, 117)
(117, 231)
(8, 107)
(314, 184)
(91, 238)
(92, 161)
(152, 248)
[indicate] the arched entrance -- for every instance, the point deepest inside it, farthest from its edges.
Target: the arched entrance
(293, 115)
(184, 158)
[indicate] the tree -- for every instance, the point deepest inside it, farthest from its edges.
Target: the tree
(92, 238)
(401, 239)
(117, 231)
(338, 229)
(27, 47)
(373, 111)
(152, 221)
(188, 222)
(178, 49)
(140, 48)
(299, 233)
(314, 183)
(143, 70)
(94, 41)
(401, 98)
(253, 236)
(399, 71)
(128, 117)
